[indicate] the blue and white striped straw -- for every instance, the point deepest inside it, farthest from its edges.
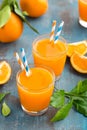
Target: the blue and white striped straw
(25, 62)
(59, 31)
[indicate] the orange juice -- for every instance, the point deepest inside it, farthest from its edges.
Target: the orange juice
(50, 54)
(82, 4)
(35, 91)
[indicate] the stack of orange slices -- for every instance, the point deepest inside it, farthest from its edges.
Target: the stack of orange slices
(5, 72)
(76, 53)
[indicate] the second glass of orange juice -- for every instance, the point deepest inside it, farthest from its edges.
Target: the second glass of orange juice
(36, 89)
(82, 5)
(50, 54)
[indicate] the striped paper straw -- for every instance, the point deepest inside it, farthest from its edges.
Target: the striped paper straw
(59, 31)
(25, 62)
(19, 61)
(52, 31)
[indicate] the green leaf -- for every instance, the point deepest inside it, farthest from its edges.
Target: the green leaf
(57, 99)
(2, 95)
(18, 11)
(15, 3)
(80, 87)
(83, 88)
(5, 14)
(5, 3)
(35, 30)
(77, 98)
(5, 109)
(84, 95)
(80, 97)
(22, 16)
(63, 112)
(81, 106)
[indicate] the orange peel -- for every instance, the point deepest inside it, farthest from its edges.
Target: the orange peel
(5, 72)
(80, 47)
(79, 62)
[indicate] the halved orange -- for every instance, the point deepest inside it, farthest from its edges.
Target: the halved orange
(79, 62)
(80, 47)
(5, 72)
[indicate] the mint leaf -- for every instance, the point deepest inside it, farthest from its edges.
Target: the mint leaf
(63, 112)
(81, 106)
(2, 95)
(5, 14)
(5, 109)
(84, 95)
(83, 88)
(80, 87)
(77, 98)
(58, 99)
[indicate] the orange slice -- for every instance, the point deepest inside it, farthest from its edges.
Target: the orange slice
(80, 47)
(5, 72)
(79, 62)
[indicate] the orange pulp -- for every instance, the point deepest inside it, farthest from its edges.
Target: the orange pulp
(50, 54)
(83, 9)
(35, 91)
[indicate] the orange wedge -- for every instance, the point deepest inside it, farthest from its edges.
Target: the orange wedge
(79, 62)
(80, 47)
(5, 72)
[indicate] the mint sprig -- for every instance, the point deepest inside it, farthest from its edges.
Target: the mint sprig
(77, 98)
(4, 108)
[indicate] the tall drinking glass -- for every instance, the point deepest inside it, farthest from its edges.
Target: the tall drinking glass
(82, 6)
(50, 54)
(36, 89)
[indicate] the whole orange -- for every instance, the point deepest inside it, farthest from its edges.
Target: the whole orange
(12, 30)
(34, 8)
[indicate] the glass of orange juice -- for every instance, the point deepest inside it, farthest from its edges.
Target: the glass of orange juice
(50, 54)
(82, 5)
(36, 89)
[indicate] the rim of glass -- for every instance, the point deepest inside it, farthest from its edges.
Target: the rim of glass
(48, 36)
(38, 90)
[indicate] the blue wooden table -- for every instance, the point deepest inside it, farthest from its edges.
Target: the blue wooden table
(66, 10)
